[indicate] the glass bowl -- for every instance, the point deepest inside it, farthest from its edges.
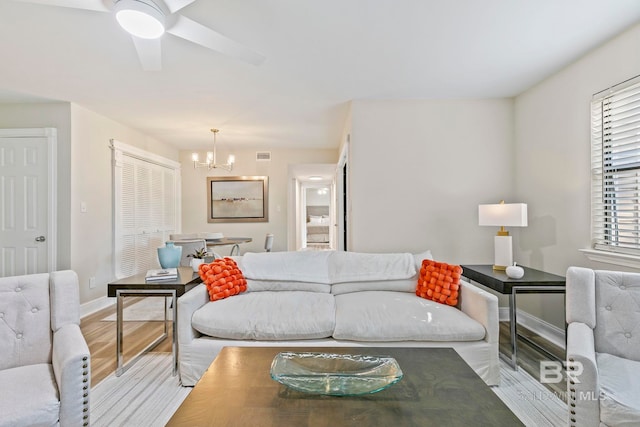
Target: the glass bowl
(335, 374)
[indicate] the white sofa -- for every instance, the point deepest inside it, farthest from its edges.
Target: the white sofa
(603, 351)
(340, 299)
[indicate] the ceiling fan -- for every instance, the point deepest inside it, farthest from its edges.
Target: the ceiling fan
(148, 20)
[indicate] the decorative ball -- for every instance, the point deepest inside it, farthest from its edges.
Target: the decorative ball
(515, 272)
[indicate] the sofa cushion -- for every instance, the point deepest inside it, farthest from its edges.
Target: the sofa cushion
(401, 316)
(362, 267)
(418, 258)
(283, 285)
(29, 396)
(268, 316)
(619, 390)
(299, 266)
(404, 285)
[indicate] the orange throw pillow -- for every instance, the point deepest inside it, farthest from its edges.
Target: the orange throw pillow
(223, 278)
(439, 282)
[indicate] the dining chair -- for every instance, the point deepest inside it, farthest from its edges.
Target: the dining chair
(188, 248)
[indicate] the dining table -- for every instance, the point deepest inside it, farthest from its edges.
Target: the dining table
(226, 241)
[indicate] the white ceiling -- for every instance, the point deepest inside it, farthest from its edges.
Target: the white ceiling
(319, 56)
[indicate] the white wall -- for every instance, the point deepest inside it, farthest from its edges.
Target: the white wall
(85, 242)
(91, 182)
(56, 115)
(552, 125)
(418, 171)
(315, 199)
(194, 194)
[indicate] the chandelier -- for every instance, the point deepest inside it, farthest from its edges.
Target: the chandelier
(210, 161)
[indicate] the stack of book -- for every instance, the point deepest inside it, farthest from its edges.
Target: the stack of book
(162, 274)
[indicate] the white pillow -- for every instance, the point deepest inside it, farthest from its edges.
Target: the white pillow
(313, 219)
(422, 256)
(286, 285)
(402, 285)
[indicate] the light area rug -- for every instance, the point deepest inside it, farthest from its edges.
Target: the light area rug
(145, 310)
(533, 403)
(144, 395)
(148, 395)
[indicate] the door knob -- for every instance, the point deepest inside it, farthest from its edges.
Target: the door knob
(40, 239)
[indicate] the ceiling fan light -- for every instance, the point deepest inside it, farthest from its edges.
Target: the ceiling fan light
(140, 18)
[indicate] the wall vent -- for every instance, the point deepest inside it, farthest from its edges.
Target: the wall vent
(263, 156)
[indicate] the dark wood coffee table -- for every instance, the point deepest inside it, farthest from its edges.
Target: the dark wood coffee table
(438, 389)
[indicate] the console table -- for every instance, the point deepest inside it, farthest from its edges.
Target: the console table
(533, 281)
(137, 286)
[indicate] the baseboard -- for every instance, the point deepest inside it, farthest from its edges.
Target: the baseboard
(95, 305)
(546, 330)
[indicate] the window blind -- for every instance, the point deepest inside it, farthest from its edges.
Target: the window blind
(146, 202)
(615, 168)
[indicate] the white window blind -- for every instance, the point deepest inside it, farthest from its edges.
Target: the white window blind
(615, 168)
(146, 207)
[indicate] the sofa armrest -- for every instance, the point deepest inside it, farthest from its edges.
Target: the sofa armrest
(187, 305)
(481, 306)
(72, 369)
(582, 376)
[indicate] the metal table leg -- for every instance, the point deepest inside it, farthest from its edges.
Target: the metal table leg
(120, 294)
(513, 326)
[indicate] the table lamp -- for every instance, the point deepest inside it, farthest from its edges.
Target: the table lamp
(503, 215)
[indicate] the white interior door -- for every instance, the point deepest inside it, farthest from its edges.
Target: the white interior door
(27, 201)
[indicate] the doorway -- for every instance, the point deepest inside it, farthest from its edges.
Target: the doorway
(312, 207)
(27, 201)
(318, 233)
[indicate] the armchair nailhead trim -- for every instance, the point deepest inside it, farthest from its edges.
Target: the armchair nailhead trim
(85, 394)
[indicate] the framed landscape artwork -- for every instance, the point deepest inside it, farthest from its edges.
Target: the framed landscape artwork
(237, 199)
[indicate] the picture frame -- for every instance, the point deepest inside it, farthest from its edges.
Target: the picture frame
(237, 199)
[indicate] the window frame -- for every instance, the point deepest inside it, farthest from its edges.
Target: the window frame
(615, 175)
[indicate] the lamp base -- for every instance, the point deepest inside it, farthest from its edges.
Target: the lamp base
(503, 256)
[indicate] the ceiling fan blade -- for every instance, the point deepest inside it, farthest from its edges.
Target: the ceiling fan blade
(176, 5)
(205, 36)
(97, 5)
(149, 53)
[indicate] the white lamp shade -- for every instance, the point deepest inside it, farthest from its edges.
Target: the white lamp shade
(503, 215)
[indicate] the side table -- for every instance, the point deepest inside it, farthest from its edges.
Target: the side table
(137, 286)
(533, 281)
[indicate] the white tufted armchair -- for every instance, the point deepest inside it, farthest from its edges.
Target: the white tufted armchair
(603, 347)
(44, 359)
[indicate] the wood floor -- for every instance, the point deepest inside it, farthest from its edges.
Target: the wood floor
(529, 357)
(101, 339)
